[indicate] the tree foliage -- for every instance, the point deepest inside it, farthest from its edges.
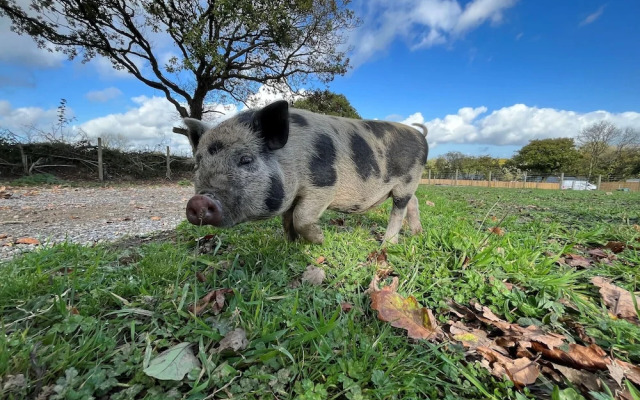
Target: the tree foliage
(548, 155)
(220, 50)
(329, 103)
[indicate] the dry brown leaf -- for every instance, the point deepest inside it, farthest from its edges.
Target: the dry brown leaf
(407, 314)
(617, 299)
(598, 254)
(337, 221)
(496, 230)
(3, 236)
(234, 341)
(521, 371)
(215, 299)
(313, 275)
(591, 358)
(378, 257)
(472, 338)
(430, 203)
(346, 307)
(27, 240)
(631, 372)
(577, 261)
(616, 247)
(156, 218)
(580, 378)
(616, 371)
(201, 277)
(320, 260)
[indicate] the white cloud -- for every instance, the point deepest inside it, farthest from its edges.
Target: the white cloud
(268, 94)
(150, 124)
(420, 23)
(23, 121)
(515, 125)
(103, 95)
(22, 50)
(592, 17)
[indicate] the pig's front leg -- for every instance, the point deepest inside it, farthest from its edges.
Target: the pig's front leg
(306, 215)
(287, 224)
(398, 211)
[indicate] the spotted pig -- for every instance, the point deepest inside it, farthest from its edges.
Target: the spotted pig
(295, 163)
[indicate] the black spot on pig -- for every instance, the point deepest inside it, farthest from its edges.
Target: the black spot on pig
(299, 120)
(377, 128)
(401, 202)
(275, 196)
(321, 164)
(406, 148)
(215, 147)
(363, 157)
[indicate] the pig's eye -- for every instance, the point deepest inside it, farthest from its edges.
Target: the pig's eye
(246, 160)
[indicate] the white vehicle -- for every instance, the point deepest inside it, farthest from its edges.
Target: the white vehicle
(575, 184)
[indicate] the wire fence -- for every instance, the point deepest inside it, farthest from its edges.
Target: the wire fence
(524, 181)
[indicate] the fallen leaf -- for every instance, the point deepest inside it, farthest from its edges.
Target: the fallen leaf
(520, 371)
(578, 261)
(403, 313)
(378, 257)
(201, 277)
(631, 372)
(3, 236)
(615, 247)
(471, 338)
(156, 218)
(617, 299)
(337, 221)
(591, 357)
(586, 379)
(234, 341)
(430, 203)
(215, 299)
(320, 260)
(597, 253)
(173, 364)
(383, 272)
(27, 240)
(496, 230)
(313, 275)
(346, 307)
(616, 371)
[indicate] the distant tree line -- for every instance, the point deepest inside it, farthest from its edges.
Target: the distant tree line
(600, 149)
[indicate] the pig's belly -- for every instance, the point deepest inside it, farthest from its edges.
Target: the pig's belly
(357, 204)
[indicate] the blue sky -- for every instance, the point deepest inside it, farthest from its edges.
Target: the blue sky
(486, 76)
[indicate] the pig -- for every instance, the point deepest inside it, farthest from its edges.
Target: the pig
(284, 161)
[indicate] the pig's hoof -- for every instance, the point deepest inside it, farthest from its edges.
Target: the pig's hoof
(315, 238)
(391, 240)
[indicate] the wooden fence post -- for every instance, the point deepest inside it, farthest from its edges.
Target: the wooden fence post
(25, 161)
(489, 181)
(561, 180)
(100, 171)
(456, 184)
(524, 184)
(599, 182)
(168, 163)
(429, 177)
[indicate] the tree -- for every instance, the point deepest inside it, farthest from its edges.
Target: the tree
(224, 48)
(595, 141)
(547, 155)
(329, 103)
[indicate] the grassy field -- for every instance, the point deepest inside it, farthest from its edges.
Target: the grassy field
(82, 323)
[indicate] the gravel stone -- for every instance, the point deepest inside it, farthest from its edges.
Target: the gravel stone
(87, 215)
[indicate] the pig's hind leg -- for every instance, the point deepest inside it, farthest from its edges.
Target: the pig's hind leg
(413, 216)
(398, 211)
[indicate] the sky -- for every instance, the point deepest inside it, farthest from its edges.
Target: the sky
(485, 76)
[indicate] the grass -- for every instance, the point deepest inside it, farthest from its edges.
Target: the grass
(80, 321)
(38, 180)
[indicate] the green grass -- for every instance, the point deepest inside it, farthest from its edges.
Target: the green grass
(80, 320)
(38, 180)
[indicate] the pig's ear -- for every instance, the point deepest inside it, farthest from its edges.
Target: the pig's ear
(272, 124)
(196, 129)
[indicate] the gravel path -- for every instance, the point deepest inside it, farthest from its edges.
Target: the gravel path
(85, 215)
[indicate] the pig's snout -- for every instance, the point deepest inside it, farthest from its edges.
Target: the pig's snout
(203, 210)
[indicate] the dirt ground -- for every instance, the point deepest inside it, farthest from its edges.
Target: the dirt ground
(86, 215)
